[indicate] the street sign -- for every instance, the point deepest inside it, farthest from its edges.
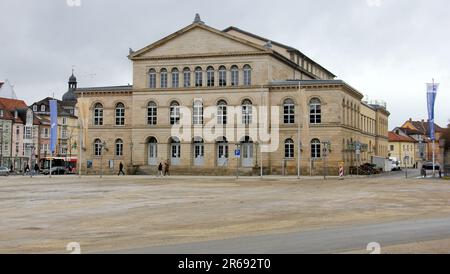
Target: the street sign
(237, 153)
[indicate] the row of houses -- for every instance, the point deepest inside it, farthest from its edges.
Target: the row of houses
(25, 129)
(411, 144)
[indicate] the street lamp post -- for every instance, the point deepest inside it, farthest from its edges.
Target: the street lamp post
(238, 156)
(326, 146)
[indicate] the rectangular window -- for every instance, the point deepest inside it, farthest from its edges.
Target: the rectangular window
(119, 149)
(222, 78)
(222, 115)
(210, 78)
(199, 78)
(187, 78)
(175, 80)
(63, 133)
(289, 114)
(174, 115)
(164, 80)
(198, 115)
(289, 150)
(43, 108)
(64, 121)
(152, 80)
(152, 118)
(28, 133)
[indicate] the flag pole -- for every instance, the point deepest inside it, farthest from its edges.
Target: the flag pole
(298, 132)
(434, 140)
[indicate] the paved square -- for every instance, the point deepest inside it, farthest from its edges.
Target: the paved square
(42, 215)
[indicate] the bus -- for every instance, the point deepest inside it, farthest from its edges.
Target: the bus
(69, 163)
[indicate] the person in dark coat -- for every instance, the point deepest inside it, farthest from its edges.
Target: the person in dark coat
(160, 170)
(36, 169)
(166, 169)
(121, 169)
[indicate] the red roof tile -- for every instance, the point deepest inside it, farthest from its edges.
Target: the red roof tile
(399, 138)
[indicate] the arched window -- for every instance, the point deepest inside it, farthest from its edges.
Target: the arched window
(247, 112)
(120, 114)
(247, 75)
(152, 78)
(163, 75)
(98, 114)
(289, 111)
(315, 111)
(198, 77)
(315, 149)
(152, 113)
(174, 113)
(222, 76)
(175, 78)
(222, 112)
(119, 147)
(289, 149)
(234, 75)
(197, 118)
(186, 77)
(98, 147)
(210, 76)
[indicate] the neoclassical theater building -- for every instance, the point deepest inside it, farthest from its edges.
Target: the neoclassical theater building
(323, 120)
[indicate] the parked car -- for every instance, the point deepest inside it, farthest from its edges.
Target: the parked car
(429, 166)
(4, 171)
(57, 170)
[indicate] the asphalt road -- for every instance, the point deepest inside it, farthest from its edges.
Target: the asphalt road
(333, 240)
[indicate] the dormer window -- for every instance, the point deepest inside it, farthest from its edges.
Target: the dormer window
(16, 114)
(1, 113)
(43, 108)
(35, 108)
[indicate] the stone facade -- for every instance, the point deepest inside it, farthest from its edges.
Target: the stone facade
(247, 70)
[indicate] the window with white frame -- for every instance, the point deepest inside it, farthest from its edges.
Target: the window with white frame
(175, 113)
(98, 147)
(152, 78)
(222, 112)
(28, 132)
(289, 111)
(35, 108)
(315, 149)
(175, 78)
(163, 78)
(198, 77)
(247, 112)
(98, 114)
(210, 76)
(198, 113)
(119, 147)
(247, 75)
(289, 149)
(64, 132)
(120, 114)
(234, 75)
(222, 76)
(187, 78)
(152, 114)
(42, 108)
(315, 111)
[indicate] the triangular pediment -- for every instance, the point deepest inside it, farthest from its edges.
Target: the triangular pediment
(197, 39)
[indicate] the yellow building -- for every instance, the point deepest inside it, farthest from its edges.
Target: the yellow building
(221, 87)
(404, 149)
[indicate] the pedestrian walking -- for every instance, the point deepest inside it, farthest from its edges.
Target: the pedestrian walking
(121, 169)
(440, 172)
(36, 169)
(423, 172)
(166, 169)
(160, 170)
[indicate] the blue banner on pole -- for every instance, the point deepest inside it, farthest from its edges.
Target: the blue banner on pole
(53, 124)
(431, 99)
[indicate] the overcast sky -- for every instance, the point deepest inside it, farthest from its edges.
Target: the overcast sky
(387, 49)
